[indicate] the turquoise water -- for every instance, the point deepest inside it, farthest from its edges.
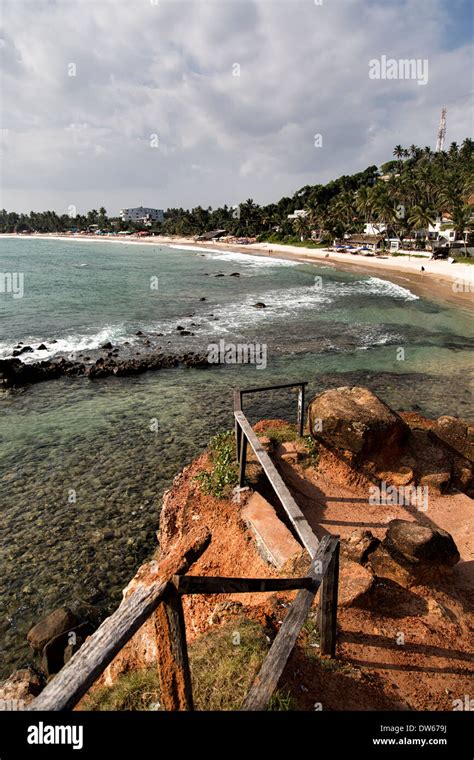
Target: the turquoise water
(82, 470)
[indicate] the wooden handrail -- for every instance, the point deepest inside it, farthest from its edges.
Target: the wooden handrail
(169, 585)
(298, 520)
(241, 392)
(274, 664)
(77, 676)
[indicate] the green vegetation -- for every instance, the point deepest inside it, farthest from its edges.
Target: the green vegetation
(224, 663)
(223, 475)
(288, 432)
(313, 450)
(406, 193)
(281, 433)
(282, 701)
(139, 690)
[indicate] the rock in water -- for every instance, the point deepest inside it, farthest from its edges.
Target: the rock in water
(58, 621)
(355, 420)
(60, 649)
(260, 305)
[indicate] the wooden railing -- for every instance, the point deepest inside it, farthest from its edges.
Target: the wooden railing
(162, 595)
(245, 435)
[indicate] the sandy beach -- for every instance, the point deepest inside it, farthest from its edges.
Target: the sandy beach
(440, 280)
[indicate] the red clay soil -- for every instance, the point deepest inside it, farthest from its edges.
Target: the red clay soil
(397, 648)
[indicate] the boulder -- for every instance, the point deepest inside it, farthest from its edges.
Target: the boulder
(260, 305)
(359, 545)
(354, 582)
(59, 650)
(383, 565)
(355, 420)
(42, 347)
(411, 554)
(421, 543)
(57, 622)
(107, 345)
(20, 688)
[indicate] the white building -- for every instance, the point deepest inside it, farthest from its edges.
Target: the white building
(299, 212)
(141, 214)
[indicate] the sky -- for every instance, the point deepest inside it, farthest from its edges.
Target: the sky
(166, 103)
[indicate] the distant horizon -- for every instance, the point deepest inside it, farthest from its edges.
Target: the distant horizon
(202, 205)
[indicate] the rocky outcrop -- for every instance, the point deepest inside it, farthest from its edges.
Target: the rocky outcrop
(403, 450)
(355, 420)
(14, 373)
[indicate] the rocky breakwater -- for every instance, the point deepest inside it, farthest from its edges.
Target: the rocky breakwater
(15, 373)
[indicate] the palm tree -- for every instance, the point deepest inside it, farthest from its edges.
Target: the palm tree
(365, 203)
(421, 218)
(461, 218)
(301, 227)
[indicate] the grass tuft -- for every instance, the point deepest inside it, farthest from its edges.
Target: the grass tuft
(224, 473)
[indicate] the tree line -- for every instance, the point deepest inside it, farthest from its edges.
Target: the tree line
(406, 193)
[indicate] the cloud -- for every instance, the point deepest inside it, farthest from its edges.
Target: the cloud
(235, 91)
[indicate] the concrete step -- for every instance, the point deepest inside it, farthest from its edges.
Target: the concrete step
(275, 542)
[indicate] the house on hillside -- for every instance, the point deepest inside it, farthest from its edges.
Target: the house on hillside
(298, 213)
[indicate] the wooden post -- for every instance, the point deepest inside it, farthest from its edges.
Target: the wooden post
(242, 458)
(238, 431)
(173, 664)
(300, 418)
(274, 664)
(328, 606)
(75, 679)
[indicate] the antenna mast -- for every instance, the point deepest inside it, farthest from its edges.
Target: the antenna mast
(441, 131)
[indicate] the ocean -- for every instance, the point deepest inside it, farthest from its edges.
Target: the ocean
(82, 467)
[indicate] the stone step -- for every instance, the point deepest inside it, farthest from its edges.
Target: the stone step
(275, 542)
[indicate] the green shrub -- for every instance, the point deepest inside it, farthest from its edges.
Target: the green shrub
(224, 473)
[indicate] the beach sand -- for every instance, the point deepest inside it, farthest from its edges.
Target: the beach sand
(440, 280)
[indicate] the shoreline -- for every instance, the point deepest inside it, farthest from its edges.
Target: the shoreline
(453, 283)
